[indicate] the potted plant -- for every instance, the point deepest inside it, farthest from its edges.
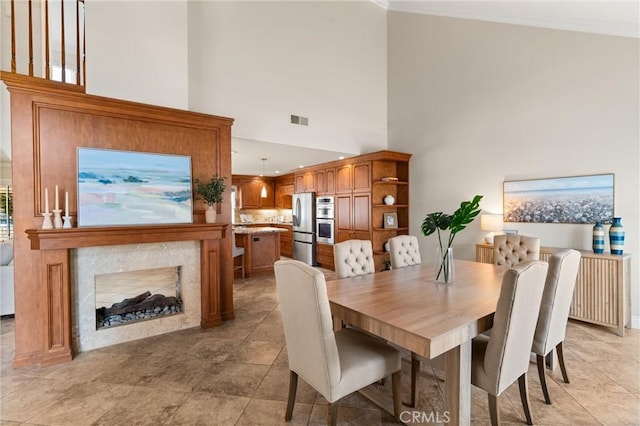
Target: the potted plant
(454, 223)
(211, 193)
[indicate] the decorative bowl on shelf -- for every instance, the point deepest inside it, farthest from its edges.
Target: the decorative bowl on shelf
(389, 179)
(389, 200)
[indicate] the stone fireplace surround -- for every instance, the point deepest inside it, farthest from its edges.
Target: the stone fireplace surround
(86, 263)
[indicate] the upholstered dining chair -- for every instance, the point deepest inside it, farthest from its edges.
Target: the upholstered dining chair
(237, 251)
(404, 251)
(501, 358)
(510, 250)
(335, 363)
(554, 311)
(352, 258)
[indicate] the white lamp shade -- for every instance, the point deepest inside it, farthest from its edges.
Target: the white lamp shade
(263, 193)
(491, 222)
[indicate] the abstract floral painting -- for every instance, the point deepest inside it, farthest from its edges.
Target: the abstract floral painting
(133, 188)
(577, 199)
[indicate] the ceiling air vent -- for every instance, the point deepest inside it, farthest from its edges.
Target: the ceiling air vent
(296, 119)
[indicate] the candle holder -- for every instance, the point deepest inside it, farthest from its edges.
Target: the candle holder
(57, 218)
(47, 224)
(67, 222)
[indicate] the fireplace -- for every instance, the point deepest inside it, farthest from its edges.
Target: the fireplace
(104, 275)
(126, 297)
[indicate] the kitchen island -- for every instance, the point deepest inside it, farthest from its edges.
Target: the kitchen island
(261, 247)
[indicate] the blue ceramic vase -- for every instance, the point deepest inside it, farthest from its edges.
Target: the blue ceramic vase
(616, 236)
(598, 238)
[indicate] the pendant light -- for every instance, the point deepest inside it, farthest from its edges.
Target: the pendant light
(263, 193)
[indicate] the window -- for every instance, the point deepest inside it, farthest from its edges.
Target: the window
(6, 212)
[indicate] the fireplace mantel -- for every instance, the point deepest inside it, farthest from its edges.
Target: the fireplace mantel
(54, 246)
(50, 239)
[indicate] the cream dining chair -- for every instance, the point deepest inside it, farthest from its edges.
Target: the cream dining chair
(335, 363)
(352, 258)
(501, 358)
(404, 251)
(509, 250)
(554, 311)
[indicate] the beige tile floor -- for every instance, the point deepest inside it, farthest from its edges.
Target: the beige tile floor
(237, 375)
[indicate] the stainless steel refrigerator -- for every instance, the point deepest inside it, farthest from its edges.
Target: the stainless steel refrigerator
(304, 227)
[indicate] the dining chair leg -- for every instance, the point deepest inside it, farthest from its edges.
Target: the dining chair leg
(332, 414)
(524, 396)
(563, 369)
(494, 410)
(543, 381)
(396, 390)
(415, 373)
(293, 387)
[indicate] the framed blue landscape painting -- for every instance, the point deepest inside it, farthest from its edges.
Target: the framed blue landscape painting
(133, 188)
(577, 199)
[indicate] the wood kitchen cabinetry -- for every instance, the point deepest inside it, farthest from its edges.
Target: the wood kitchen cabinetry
(305, 181)
(261, 250)
(359, 186)
(286, 239)
(324, 255)
(250, 188)
(325, 181)
(285, 187)
(353, 217)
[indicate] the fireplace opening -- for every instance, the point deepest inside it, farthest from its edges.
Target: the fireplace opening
(132, 296)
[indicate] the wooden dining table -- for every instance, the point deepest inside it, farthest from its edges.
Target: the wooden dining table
(406, 307)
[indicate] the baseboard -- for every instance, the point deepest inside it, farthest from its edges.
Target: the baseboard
(635, 321)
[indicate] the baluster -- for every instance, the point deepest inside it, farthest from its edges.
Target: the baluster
(78, 42)
(63, 54)
(13, 36)
(47, 64)
(30, 40)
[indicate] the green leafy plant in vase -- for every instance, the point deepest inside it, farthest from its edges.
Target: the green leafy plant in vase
(210, 192)
(454, 223)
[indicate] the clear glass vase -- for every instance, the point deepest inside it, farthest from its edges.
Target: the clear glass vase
(444, 270)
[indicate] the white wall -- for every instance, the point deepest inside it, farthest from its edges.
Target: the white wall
(260, 62)
(478, 103)
(137, 51)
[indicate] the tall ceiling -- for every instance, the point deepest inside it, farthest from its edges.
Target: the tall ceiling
(619, 18)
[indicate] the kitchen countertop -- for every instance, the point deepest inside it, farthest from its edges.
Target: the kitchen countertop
(256, 230)
(263, 223)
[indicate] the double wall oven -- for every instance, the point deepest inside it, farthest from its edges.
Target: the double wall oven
(325, 220)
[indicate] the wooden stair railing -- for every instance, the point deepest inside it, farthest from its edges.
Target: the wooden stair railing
(35, 9)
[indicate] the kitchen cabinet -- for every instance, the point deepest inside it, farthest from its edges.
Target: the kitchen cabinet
(353, 217)
(305, 182)
(286, 239)
(353, 177)
(251, 189)
(285, 187)
(324, 255)
(261, 248)
(325, 181)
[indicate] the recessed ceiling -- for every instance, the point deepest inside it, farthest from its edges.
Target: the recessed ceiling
(247, 156)
(620, 18)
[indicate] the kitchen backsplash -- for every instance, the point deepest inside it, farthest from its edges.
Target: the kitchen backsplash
(263, 216)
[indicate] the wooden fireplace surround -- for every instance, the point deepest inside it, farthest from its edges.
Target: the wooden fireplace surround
(48, 123)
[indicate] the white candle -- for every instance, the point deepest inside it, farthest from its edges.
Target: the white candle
(66, 203)
(57, 206)
(46, 200)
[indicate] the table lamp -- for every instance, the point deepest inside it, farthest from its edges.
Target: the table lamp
(491, 223)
